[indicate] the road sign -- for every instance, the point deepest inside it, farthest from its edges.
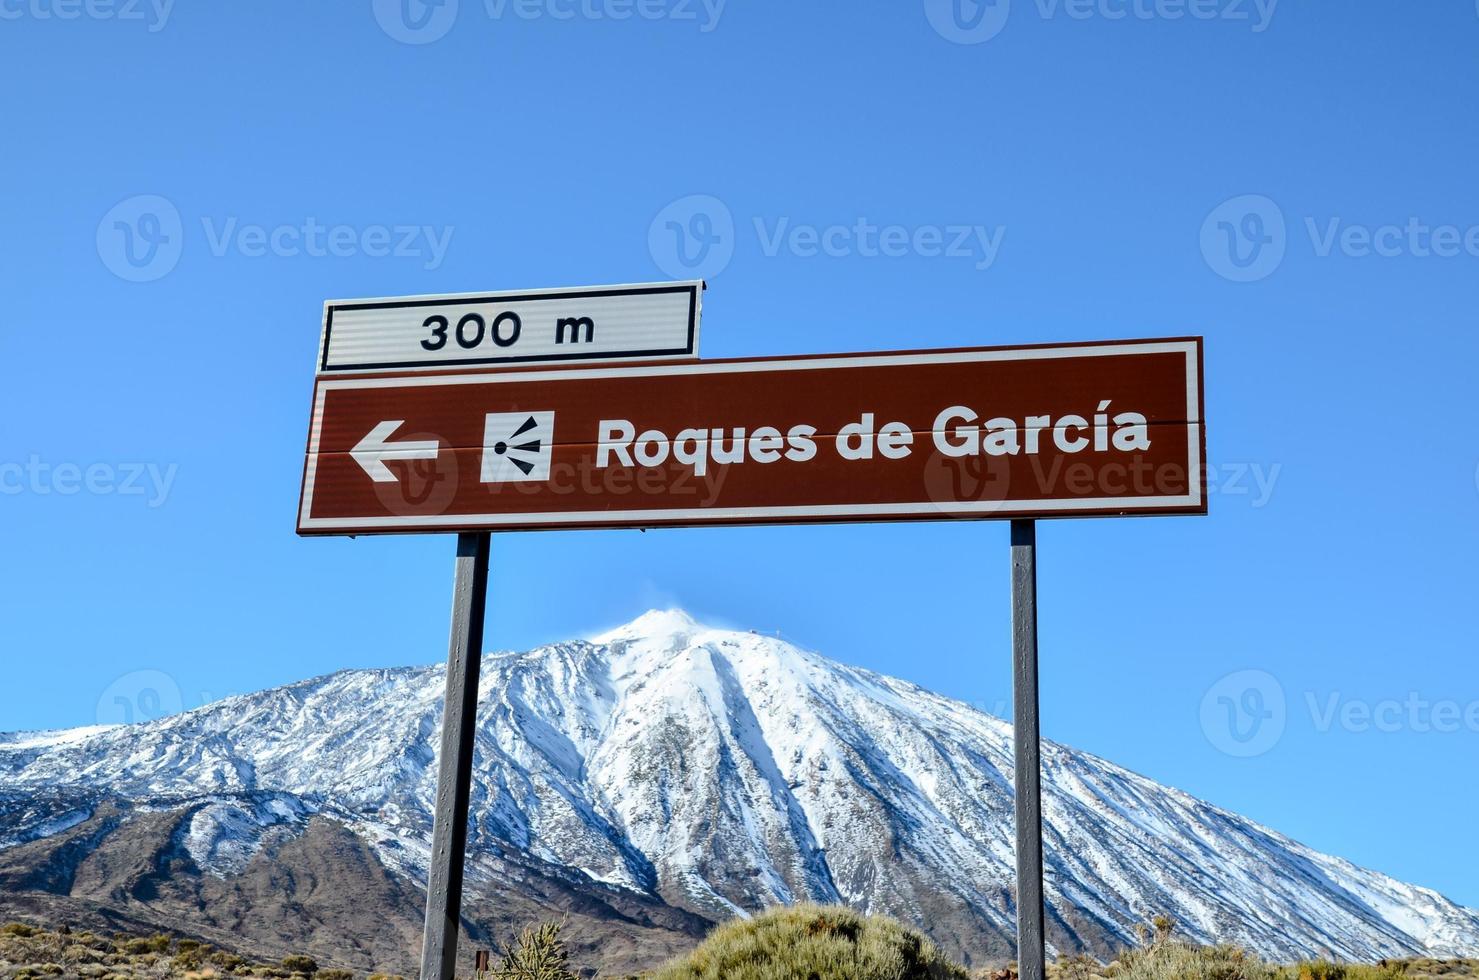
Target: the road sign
(1083, 429)
(436, 333)
(400, 443)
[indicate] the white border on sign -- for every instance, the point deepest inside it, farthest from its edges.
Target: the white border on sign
(841, 511)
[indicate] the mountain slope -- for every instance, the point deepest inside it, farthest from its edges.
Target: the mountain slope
(668, 774)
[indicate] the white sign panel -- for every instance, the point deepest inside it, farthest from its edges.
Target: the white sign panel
(425, 333)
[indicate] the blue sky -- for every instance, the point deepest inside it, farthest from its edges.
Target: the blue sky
(1293, 181)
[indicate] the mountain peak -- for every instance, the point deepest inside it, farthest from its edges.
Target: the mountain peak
(654, 623)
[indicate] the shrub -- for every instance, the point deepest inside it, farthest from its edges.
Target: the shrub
(537, 953)
(1167, 960)
(1321, 970)
(333, 975)
(1326, 970)
(305, 965)
(18, 929)
(189, 959)
(816, 942)
(229, 962)
(1080, 967)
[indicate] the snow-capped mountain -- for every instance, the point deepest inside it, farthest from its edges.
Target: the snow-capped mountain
(672, 769)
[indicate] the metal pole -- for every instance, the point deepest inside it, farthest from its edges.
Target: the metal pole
(454, 776)
(1031, 954)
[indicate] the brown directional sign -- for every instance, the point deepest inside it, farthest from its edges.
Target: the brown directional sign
(1073, 430)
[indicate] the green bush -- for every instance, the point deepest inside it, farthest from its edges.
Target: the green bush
(815, 942)
(18, 929)
(333, 975)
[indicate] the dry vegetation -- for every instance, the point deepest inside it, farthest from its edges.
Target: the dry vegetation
(800, 943)
(814, 943)
(31, 953)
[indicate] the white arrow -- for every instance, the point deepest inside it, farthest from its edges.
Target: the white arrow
(373, 451)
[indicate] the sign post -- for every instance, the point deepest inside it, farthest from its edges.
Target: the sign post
(425, 421)
(454, 775)
(1031, 952)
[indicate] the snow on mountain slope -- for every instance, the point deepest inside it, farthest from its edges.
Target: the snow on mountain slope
(724, 771)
